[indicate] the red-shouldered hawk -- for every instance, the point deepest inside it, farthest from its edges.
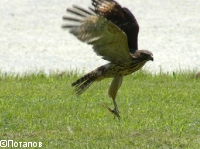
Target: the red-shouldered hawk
(112, 31)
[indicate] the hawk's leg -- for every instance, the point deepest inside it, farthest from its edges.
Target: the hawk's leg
(112, 92)
(115, 110)
(115, 107)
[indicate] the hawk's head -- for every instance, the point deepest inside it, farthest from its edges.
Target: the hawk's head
(143, 55)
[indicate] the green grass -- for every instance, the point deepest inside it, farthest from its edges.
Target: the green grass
(157, 111)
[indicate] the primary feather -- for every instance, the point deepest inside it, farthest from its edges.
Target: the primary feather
(108, 40)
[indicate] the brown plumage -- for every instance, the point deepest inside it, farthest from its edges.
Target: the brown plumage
(112, 31)
(121, 17)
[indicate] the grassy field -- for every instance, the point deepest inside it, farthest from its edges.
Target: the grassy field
(157, 111)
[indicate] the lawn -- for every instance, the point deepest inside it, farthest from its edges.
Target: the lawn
(157, 111)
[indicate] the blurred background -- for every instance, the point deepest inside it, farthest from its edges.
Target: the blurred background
(31, 38)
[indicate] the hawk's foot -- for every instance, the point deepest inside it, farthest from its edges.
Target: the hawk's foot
(115, 111)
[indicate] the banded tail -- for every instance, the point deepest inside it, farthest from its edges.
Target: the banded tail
(84, 82)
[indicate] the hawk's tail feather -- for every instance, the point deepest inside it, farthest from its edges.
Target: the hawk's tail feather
(84, 82)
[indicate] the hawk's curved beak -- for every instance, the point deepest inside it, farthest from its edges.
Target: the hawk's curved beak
(151, 58)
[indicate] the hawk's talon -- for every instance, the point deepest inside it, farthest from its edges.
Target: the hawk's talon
(114, 111)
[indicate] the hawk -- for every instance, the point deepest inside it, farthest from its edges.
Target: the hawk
(112, 30)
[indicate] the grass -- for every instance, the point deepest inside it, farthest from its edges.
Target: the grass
(157, 111)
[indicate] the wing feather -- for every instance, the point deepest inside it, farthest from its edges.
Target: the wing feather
(121, 17)
(108, 40)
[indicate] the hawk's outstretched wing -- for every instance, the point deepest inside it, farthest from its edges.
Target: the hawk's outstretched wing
(121, 17)
(108, 40)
